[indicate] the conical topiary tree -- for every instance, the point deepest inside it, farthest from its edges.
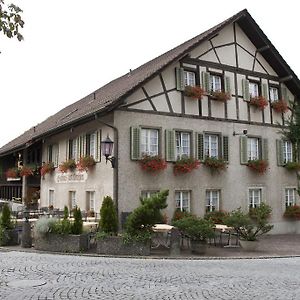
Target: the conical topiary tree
(78, 223)
(108, 216)
(5, 220)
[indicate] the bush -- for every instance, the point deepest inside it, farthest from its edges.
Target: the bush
(66, 212)
(217, 216)
(77, 226)
(44, 225)
(143, 218)
(62, 227)
(5, 218)
(108, 216)
(292, 212)
(196, 229)
(179, 214)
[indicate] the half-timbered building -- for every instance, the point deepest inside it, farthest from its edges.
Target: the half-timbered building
(240, 77)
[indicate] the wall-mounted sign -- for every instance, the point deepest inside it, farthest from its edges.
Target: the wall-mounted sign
(71, 177)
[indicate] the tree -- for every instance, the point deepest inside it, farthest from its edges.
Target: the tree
(11, 20)
(108, 216)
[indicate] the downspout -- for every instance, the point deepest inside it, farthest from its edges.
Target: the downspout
(116, 168)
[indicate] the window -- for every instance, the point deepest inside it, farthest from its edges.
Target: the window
(290, 197)
(211, 145)
(72, 199)
(53, 154)
(91, 200)
(274, 95)
(183, 144)
(215, 83)
(73, 150)
(189, 78)
(51, 198)
(253, 148)
(182, 200)
(91, 142)
(254, 197)
(212, 200)
(148, 194)
(149, 142)
(253, 89)
(287, 151)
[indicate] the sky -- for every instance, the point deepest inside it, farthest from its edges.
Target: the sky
(71, 48)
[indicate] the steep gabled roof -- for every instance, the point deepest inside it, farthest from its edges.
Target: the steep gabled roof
(110, 95)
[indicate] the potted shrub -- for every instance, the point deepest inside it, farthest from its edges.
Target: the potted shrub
(292, 212)
(152, 164)
(47, 168)
(215, 164)
(26, 171)
(258, 165)
(185, 165)
(8, 233)
(280, 106)
(198, 230)
(68, 165)
(249, 226)
(259, 102)
(195, 92)
(292, 166)
(220, 96)
(86, 163)
(12, 173)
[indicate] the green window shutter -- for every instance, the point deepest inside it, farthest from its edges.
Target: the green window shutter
(67, 149)
(98, 145)
(265, 91)
(77, 141)
(227, 87)
(245, 87)
(180, 86)
(205, 77)
(135, 142)
(170, 145)
(279, 152)
(264, 149)
(226, 148)
(199, 146)
(243, 150)
(83, 140)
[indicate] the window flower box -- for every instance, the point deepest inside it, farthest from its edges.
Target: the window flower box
(280, 106)
(215, 164)
(152, 164)
(292, 212)
(86, 163)
(195, 92)
(185, 165)
(47, 168)
(26, 171)
(292, 166)
(69, 165)
(220, 96)
(259, 102)
(12, 173)
(258, 165)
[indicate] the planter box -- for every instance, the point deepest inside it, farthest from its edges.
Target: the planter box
(113, 245)
(62, 243)
(249, 245)
(12, 238)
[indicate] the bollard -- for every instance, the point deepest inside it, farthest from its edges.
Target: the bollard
(26, 241)
(175, 242)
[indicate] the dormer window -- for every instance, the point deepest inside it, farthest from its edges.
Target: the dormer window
(189, 78)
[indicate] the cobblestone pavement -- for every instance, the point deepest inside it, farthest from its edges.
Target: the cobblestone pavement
(81, 277)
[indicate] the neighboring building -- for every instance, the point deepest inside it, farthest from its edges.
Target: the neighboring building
(147, 112)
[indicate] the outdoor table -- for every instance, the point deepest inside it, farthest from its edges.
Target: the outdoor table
(161, 235)
(224, 229)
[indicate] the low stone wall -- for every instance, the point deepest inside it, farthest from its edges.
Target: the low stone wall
(62, 243)
(11, 238)
(114, 245)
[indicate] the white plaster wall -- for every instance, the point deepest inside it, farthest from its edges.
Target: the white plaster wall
(191, 106)
(227, 55)
(100, 179)
(168, 76)
(153, 86)
(225, 36)
(210, 56)
(245, 59)
(217, 109)
(243, 109)
(265, 64)
(204, 106)
(160, 103)
(255, 114)
(175, 99)
(145, 105)
(243, 40)
(135, 96)
(234, 182)
(205, 46)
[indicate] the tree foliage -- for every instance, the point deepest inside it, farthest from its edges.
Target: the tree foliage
(11, 20)
(108, 216)
(77, 226)
(5, 218)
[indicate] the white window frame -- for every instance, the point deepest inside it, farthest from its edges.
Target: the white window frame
(52, 155)
(73, 202)
(215, 83)
(149, 141)
(253, 152)
(211, 145)
(290, 196)
(189, 78)
(287, 151)
(74, 149)
(253, 89)
(274, 93)
(91, 200)
(212, 198)
(93, 144)
(182, 198)
(254, 197)
(183, 144)
(148, 193)
(51, 197)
